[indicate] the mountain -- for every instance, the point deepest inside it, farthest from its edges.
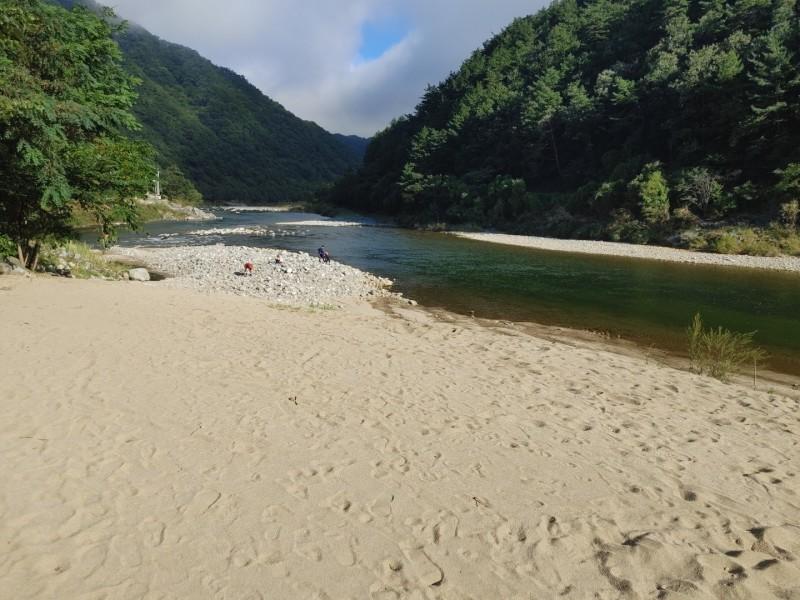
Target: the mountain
(234, 143)
(623, 119)
(356, 143)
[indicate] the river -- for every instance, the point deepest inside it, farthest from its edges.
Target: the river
(648, 302)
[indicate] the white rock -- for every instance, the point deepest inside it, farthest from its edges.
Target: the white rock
(139, 275)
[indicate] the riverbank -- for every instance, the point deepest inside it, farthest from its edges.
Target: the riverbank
(294, 278)
(180, 444)
(661, 253)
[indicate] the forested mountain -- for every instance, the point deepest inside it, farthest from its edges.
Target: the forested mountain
(234, 143)
(602, 118)
(356, 143)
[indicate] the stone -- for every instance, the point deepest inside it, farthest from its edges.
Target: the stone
(139, 275)
(13, 261)
(5, 269)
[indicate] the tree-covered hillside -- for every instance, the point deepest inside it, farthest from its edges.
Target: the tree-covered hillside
(603, 118)
(232, 142)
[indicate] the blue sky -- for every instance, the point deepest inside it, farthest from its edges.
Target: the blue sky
(379, 36)
(350, 65)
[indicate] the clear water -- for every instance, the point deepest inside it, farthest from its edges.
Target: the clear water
(648, 302)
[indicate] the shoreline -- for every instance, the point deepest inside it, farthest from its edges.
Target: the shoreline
(278, 276)
(300, 280)
(622, 250)
(363, 453)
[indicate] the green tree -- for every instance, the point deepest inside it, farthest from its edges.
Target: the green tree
(64, 101)
(652, 193)
(700, 188)
(177, 187)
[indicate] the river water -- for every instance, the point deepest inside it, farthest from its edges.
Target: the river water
(648, 302)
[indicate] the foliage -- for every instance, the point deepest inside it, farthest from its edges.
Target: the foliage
(699, 188)
(234, 144)
(625, 228)
(652, 192)
(720, 352)
(7, 246)
(576, 101)
(80, 260)
(178, 188)
(64, 98)
(771, 241)
(789, 184)
(790, 211)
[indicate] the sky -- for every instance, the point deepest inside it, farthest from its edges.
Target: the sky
(350, 65)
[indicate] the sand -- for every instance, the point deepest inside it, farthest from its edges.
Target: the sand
(772, 263)
(161, 443)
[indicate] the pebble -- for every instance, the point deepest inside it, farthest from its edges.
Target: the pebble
(298, 279)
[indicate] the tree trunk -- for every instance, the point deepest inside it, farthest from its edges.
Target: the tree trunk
(35, 256)
(21, 255)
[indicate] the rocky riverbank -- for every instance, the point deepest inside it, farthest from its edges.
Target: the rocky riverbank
(773, 263)
(281, 277)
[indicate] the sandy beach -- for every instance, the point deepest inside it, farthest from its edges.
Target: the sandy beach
(165, 443)
(772, 263)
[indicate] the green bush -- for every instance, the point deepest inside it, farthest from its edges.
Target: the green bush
(726, 243)
(789, 184)
(790, 211)
(700, 188)
(82, 261)
(750, 241)
(720, 352)
(652, 192)
(7, 247)
(625, 228)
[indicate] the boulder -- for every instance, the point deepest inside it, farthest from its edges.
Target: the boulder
(13, 261)
(5, 269)
(139, 275)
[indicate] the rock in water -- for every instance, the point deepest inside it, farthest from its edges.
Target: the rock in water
(13, 261)
(4, 269)
(139, 275)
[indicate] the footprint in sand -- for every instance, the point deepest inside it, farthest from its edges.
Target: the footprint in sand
(427, 572)
(306, 546)
(342, 549)
(153, 532)
(382, 506)
(202, 503)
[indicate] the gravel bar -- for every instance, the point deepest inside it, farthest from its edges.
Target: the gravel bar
(774, 263)
(279, 276)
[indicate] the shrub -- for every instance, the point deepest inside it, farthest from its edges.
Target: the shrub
(755, 243)
(720, 352)
(7, 247)
(652, 191)
(726, 243)
(746, 240)
(82, 261)
(789, 184)
(702, 189)
(683, 217)
(790, 211)
(625, 228)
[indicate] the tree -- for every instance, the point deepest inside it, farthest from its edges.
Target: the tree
(65, 102)
(700, 188)
(652, 192)
(177, 187)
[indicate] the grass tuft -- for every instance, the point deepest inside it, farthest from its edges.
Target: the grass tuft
(720, 352)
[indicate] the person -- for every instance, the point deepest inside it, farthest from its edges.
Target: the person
(248, 268)
(323, 254)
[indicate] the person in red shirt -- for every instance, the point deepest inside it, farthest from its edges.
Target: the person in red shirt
(248, 268)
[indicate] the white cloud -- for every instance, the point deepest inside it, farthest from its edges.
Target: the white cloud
(304, 53)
